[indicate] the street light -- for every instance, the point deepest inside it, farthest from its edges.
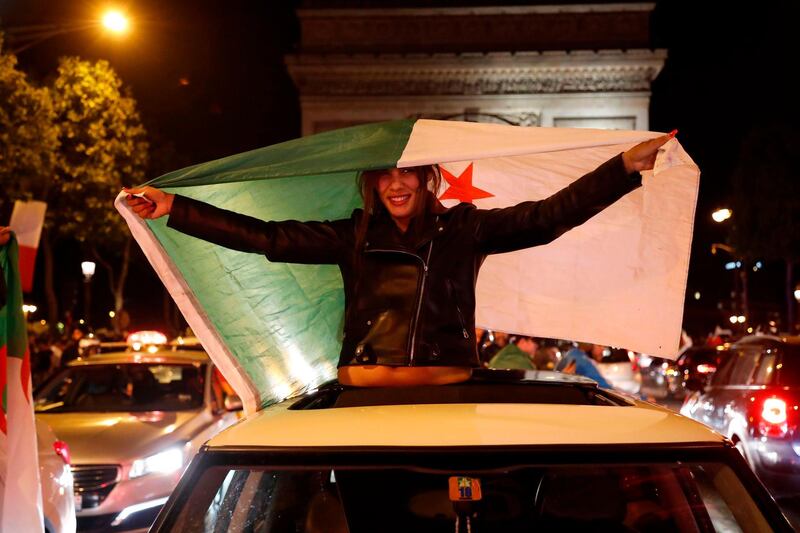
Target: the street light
(721, 215)
(740, 281)
(88, 268)
(23, 37)
(115, 21)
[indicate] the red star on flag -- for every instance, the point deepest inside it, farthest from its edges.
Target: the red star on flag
(461, 188)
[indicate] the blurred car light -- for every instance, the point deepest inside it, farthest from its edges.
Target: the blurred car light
(774, 411)
(165, 462)
(146, 337)
(62, 450)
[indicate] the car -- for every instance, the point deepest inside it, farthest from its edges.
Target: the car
(754, 400)
(58, 501)
(133, 420)
(619, 367)
(696, 366)
(658, 377)
(508, 450)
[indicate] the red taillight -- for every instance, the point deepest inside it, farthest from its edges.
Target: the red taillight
(706, 369)
(62, 450)
(774, 411)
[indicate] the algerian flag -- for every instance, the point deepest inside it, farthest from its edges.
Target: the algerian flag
(274, 328)
(20, 492)
(27, 221)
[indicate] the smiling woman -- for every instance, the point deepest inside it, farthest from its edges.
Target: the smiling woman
(409, 265)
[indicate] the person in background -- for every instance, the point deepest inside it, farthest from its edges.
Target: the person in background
(493, 342)
(547, 356)
(518, 353)
(577, 361)
(72, 348)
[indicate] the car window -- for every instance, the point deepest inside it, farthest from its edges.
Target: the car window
(702, 356)
(123, 387)
(723, 374)
(616, 355)
(618, 497)
(744, 364)
(765, 369)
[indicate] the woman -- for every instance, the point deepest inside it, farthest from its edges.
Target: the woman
(409, 265)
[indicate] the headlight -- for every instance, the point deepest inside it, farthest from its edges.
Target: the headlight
(165, 462)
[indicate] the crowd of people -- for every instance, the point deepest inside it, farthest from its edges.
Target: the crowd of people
(52, 351)
(503, 351)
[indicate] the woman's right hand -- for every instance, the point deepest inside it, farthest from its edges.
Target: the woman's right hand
(156, 203)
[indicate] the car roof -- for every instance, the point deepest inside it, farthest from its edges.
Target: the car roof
(470, 414)
(776, 339)
(163, 356)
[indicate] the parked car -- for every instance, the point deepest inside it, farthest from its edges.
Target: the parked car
(133, 420)
(658, 375)
(507, 451)
(753, 399)
(619, 368)
(58, 500)
(695, 367)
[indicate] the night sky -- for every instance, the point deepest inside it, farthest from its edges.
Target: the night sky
(727, 72)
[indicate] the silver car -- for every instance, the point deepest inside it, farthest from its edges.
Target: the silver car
(133, 421)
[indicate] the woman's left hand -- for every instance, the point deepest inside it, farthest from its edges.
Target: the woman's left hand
(643, 155)
(5, 235)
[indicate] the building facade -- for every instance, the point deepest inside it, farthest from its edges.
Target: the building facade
(580, 65)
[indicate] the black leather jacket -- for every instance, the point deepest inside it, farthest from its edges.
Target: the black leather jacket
(410, 299)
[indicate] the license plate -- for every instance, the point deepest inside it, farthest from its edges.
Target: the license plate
(78, 502)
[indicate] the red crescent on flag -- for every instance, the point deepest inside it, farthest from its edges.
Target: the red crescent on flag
(461, 188)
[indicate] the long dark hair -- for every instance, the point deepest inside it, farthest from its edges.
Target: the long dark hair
(430, 180)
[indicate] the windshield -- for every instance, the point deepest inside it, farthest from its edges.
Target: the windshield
(123, 387)
(690, 497)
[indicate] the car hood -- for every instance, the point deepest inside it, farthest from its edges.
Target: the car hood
(114, 438)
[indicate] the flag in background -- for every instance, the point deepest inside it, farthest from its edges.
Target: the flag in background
(272, 329)
(20, 492)
(27, 220)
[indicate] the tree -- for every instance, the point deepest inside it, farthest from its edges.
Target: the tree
(103, 147)
(28, 144)
(766, 201)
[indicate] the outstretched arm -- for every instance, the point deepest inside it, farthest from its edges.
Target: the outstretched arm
(538, 222)
(287, 241)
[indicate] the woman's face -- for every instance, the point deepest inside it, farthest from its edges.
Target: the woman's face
(399, 190)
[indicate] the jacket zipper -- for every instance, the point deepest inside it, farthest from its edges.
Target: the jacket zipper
(419, 305)
(452, 294)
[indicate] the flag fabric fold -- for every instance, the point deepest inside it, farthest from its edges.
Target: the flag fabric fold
(20, 492)
(273, 329)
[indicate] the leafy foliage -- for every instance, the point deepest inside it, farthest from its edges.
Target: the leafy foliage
(103, 147)
(28, 136)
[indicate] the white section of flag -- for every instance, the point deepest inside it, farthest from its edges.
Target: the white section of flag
(27, 220)
(192, 311)
(20, 487)
(620, 278)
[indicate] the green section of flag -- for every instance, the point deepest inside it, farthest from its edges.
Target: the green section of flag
(282, 322)
(12, 320)
(363, 147)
